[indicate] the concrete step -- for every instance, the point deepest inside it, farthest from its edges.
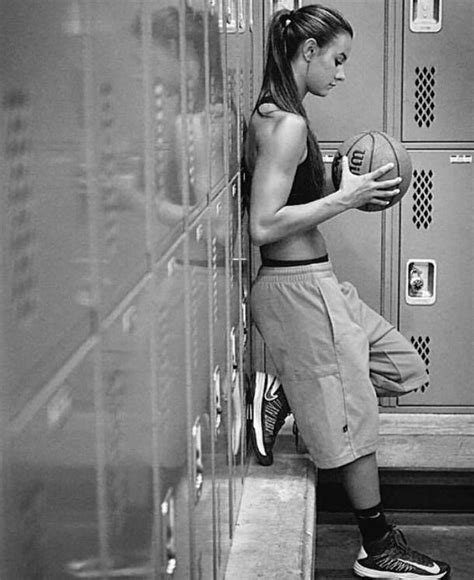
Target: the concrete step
(274, 535)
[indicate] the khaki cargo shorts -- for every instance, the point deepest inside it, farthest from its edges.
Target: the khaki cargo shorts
(334, 355)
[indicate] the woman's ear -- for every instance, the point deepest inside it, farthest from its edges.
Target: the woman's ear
(309, 49)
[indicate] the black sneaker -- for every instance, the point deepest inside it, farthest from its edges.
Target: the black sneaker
(391, 558)
(269, 412)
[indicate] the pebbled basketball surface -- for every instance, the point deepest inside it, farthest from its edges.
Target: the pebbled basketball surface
(368, 151)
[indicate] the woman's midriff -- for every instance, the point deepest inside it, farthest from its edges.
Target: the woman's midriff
(302, 246)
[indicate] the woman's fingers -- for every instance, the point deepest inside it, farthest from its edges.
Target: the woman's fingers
(380, 171)
(384, 197)
(376, 174)
(386, 183)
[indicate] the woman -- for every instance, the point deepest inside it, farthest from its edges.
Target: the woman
(333, 354)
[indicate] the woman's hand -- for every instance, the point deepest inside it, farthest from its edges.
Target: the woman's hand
(358, 190)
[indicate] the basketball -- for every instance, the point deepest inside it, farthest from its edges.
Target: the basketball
(368, 151)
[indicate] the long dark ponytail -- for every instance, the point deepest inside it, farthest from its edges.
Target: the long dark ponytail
(287, 30)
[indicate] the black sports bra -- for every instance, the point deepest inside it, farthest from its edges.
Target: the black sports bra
(303, 189)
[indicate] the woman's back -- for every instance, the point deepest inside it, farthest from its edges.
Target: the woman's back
(276, 158)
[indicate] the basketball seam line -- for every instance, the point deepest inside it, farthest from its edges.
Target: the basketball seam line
(393, 150)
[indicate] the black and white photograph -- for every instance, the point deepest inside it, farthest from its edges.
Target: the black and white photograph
(236, 289)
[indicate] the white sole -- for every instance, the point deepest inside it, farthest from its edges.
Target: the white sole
(364, 572)
(260, 379)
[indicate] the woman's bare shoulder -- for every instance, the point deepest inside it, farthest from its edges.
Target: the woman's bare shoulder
(280, 133)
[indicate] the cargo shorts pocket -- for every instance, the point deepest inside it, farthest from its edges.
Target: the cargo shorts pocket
(319, 409)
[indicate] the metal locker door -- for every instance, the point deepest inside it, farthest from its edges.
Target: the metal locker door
(436, 293)
(245, 344)
(356, 258)
(358, 103)
(114, 125)
(217, 73)
(437, 71)
(45, 273)
(199, 30)
(203, 532)
(55, 517)
(235, 339)
(173, 414)
(128, 436)
(183, 72)
(257, 36)
(162, 179)
(220, 385)
(354, 241)
(246, 41)
(234, 88)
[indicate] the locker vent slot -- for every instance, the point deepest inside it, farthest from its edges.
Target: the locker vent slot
(195, 305)
(425, 96)
(422, 346)
(215, 291)
(422, 198)
(108, 169)
(21, 206)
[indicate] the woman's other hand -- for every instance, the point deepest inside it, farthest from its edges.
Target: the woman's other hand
(359, 190)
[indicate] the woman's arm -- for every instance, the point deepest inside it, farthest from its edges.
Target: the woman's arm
(278, 156)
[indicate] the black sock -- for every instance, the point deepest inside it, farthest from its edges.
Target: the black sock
(372, 523)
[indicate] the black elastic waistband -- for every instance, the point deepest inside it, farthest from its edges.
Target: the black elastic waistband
(268, 262)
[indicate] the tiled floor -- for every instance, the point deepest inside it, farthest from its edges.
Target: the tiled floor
(447, 537)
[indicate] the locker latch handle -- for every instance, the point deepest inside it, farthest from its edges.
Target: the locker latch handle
(198, 468)
(169, 532)
(217, 399)
(233, 349)
(426, 15)
(420, 286)
(243, 307)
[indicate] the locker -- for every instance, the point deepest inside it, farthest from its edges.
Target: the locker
(235, 366)
(217, 91)
(156, 30)
(357, 258)
(437, 237)
(245, 362)
(246, 30)
(220, 380)
(173, 414)
(114, 124)
(198, 34)
(46, 259)
(203, 410)
(257, 35)
(203, 498)
(55, 517)
(437, 73)
(234, 98)
(128, 436)
(357, 104)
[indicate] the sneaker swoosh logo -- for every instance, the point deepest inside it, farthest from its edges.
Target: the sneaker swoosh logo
(433, 568)
(271, 390)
